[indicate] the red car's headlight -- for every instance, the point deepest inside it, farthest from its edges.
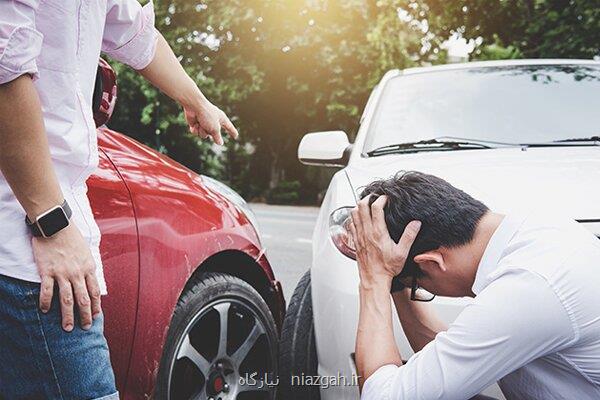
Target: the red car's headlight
(235, 198)
(339, 231)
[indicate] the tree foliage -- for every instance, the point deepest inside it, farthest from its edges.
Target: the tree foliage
(281, 68)
(536, 28)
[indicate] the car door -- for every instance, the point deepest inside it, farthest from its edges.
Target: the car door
(113, 211)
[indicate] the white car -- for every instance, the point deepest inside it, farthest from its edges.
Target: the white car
(519, 134)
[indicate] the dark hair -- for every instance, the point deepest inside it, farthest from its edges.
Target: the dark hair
(448, 215)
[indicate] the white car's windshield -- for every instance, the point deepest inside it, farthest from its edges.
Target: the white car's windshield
(511, 104)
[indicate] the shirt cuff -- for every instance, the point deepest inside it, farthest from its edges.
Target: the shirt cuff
(379, 385)
(140, 50)
(19, 56)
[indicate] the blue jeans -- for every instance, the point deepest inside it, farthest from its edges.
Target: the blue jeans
(39, 360)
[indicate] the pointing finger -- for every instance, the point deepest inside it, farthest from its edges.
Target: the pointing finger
(229, 127)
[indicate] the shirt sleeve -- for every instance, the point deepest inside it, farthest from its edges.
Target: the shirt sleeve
(513, 321)
(20, 42)
(129, 33)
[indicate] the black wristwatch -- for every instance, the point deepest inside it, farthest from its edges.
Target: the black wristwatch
(50, 222)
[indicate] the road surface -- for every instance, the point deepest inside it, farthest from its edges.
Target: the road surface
(286, 232)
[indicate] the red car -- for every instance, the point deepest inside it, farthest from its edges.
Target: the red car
(193, 307)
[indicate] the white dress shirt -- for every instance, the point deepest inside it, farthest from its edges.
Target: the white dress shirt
(534, 324)
(59, 43)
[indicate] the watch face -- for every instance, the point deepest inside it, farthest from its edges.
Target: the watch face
(53, 221)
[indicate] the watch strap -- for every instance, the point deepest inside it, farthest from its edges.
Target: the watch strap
(35, 229)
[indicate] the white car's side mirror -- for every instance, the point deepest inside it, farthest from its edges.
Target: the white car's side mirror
(329, 149)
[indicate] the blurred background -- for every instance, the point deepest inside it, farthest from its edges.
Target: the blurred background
(282, 68)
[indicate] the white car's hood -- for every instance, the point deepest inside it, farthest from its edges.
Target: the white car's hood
(563, 180)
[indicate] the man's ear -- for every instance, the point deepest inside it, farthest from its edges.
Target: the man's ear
(431, 259)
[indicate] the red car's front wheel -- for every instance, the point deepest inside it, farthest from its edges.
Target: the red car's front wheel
(222, 344)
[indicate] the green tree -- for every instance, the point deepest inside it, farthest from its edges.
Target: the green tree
(282, 68)
(533, 28)
(203, 36)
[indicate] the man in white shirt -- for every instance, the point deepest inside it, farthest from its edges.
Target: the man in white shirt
(49, 53)
(534, 323)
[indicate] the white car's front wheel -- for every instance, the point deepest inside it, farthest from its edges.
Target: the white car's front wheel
(298, 361)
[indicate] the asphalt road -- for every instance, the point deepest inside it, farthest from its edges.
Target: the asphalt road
(286, 233)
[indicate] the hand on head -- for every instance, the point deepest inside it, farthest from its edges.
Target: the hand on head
(379, 257)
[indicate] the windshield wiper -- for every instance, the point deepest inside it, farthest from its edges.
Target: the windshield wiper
(442, 143)
(588, 139)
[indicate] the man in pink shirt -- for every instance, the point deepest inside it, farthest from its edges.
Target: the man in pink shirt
(49, 50)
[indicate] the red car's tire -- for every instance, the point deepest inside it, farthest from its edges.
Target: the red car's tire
(197, 363)
(297, 348)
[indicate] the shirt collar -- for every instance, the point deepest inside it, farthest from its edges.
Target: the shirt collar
(494, 250)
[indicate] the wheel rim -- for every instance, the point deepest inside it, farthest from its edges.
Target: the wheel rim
(222, 355)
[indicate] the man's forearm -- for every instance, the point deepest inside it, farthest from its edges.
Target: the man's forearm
(204, 118)
(419, 323)
(375, 344)
(166, 73)
(24, 153)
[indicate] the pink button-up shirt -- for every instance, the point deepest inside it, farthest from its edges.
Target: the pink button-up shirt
(59, 43)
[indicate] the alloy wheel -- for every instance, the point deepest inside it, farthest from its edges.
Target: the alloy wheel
(223, 354)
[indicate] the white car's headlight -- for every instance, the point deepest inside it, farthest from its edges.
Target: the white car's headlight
(339, 231)
(234, 197)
